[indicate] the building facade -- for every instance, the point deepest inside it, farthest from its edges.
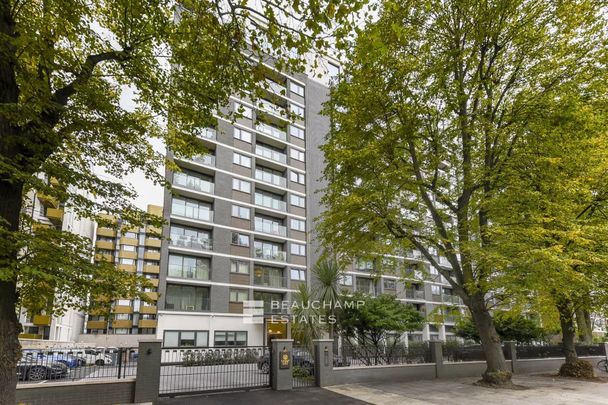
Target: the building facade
(135, 250)
(47, 211)
(238, 220)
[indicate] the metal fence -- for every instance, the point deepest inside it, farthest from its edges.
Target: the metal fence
(453, 353)
(76, 364)
(356, 355)
(548, 351)
(303, 367)
(201, 369)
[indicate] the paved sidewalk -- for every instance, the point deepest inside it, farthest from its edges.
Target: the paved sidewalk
(302, 396)
(541, 390)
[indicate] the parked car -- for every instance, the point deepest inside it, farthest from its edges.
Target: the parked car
(87, 356)
(36, 368)
(300, 358)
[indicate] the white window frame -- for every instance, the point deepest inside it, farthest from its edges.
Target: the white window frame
(297, 177)
(295, 88)
(239, 185)
(297, 249)
(238, 211)
(242, 135)
(297, 225)
(296, 132)
(297, 154)
(293, 197)
(241, 160)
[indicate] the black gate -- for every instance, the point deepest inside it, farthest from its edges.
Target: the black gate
(303, 367)
(200, 369)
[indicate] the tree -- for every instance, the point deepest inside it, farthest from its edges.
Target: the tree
(550, 223)
(372, 325)
(510, 327)
(65, 65)
(327, 274)
(427, 114)
(306, 325)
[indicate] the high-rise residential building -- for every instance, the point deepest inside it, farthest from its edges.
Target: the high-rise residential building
(135, 250)
(47, 211)
(238, 218)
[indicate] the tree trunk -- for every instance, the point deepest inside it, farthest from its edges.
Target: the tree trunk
(583, 323)
(566, 320)
(497, 372)
(10, 349)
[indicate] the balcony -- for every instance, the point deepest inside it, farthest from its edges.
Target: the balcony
(206, 133)
(104, 244)
(207, 160)
(414, 294)
(55, 215)
(272, 108)
(147, 309)
(151, 269)
(41, 320)
(109, 232)
(152, 242)
(96, 324)
(122, 309)
(270, 254)
(452, 299)
(270, 154)
(129, 268)
(48, 201)
(276, 87)
(189, 272)
(122, 323)
(191, 242)
(270, 178)
(192, 183)
(271, 131)
(147, 323)
(366, 287)
(269, 280)
(270, 203)
(153, 295)
(270, 228)
(200, 214)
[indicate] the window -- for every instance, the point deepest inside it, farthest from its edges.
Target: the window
(297, 177)
(239, 267)
(241, 160)
(240, 212)
(190, 237)
(243, 135)
(122, 317)
(333, 72)
(296, 131)
(193, 181)
(131, 235)
(239, 295)
(296, 89)
(196, 268)
(298, 274)
(241, 185)
(126, 303)
(297, 110)
(186, 338)
(346, 279)
(128, 262)
(230, 338)
(121, 331)
(128, 248)
(436, 290)
(297, 249)
(297, 154)
(298, 225)
(390, 284)
(297, 200)
(186, 298)
(243, 110)
(240, 239)
(191, 209)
